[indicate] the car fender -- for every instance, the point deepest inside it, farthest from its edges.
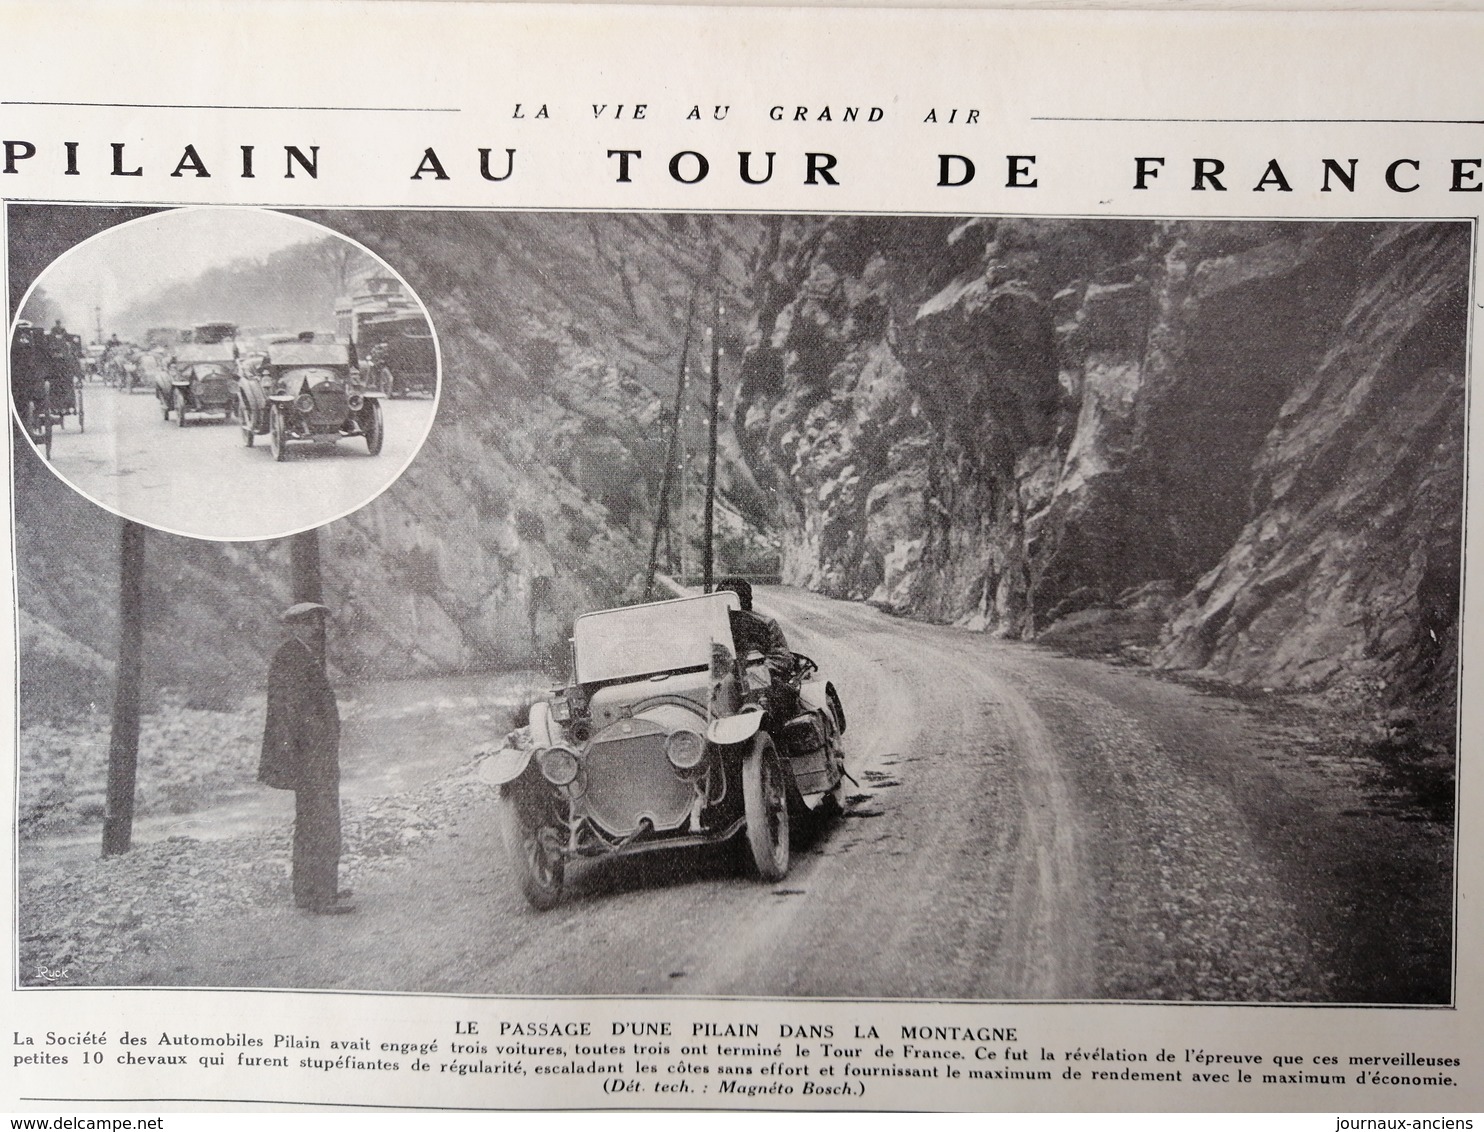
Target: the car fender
(505, 765)
(814, 694)
(252, 393)
(509, 763)
(820, 696)
(728, 730)
(545, 731)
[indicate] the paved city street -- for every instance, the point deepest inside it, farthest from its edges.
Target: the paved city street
(202, 480)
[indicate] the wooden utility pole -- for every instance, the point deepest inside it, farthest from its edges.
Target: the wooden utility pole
(662, 515)
(708, 520)
(304, 579)
(684, 532)
(123, 745)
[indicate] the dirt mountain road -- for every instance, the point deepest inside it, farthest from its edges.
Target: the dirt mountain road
(1027, 826)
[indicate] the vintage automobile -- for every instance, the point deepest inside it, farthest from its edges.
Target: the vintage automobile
(391, 335)
(664, 739)
(200, 379)
(308, 390)
(211, 333)
(399, 355)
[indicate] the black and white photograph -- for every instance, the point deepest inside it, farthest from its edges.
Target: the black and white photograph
(805, 606)
(226, 373)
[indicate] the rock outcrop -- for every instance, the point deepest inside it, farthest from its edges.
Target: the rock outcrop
(1242, 442)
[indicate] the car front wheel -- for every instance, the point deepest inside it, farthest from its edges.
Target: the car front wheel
(534, 845)
(765, 803)
(375, 427)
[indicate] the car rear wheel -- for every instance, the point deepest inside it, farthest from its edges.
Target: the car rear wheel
(765, 803)
(249, 432)
(535, 849)
(375, 427)
(278, 434)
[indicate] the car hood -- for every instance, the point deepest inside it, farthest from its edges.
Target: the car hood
(691, 690)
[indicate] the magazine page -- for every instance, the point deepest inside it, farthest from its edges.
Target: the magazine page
(618, 557)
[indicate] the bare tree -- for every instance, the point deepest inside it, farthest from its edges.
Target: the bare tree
(341, 262)
(708, 522)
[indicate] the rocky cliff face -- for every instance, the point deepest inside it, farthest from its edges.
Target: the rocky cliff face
(1348, 562)
(1228, 447)
(1239, 444)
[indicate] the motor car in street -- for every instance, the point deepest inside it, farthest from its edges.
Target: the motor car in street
(663, 739)
(400, 359)
(391, 336)
(201, 379)
(308, 391)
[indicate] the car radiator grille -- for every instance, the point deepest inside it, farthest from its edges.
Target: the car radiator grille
(217, 392)
(329, 409)
(630, 779)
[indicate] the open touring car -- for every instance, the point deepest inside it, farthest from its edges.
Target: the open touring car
(665, 738)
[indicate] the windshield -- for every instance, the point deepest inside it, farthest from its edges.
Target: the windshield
(210, 333)
(640, 640)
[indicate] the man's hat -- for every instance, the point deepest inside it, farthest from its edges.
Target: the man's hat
(303, 611)
(739, 586)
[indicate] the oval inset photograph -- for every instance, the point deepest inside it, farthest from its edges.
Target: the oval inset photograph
(224, 373)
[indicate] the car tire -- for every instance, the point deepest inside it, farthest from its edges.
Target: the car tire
(765, 804)
(534, 847)
(249, 431)
(375, 427)
(81, 415)
(180, 409)
(46, 419)
(278, 434)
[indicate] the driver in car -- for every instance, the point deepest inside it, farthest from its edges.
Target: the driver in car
(755, 633)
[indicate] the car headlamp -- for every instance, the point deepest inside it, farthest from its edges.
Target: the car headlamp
(304, 403)
(685, 749)
(558, 765)
(355, 401)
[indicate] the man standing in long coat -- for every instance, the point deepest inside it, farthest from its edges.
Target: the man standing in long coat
(301, 752)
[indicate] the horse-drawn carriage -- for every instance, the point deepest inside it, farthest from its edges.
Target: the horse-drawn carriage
(46, 382)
